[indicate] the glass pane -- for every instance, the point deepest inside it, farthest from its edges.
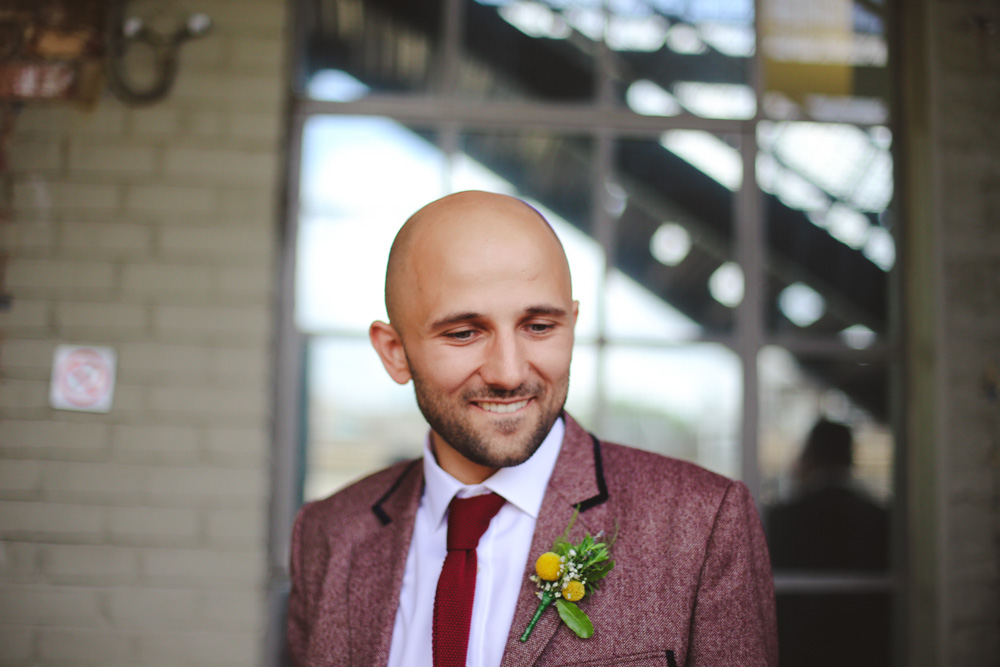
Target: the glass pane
(526, 49)
(684, 402)
(825, 60)
(673, 237)
(812, 629)
(674, 56)
(358, 420)
(353, 47)
(347, 222)
(827, 191)
(826, 456)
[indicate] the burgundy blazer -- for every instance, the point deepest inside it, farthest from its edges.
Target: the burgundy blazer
(691, 585)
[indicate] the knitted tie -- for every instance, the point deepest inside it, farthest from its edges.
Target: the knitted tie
(468, 519)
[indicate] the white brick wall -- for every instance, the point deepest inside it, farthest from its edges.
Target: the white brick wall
(139, 537)
(966, 152)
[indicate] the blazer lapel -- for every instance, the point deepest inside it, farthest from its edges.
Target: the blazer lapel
(577, 480)
(377, 567)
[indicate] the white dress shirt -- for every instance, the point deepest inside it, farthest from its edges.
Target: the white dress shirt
(502, 555)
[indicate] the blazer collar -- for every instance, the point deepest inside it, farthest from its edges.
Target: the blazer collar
(577, 481)
(377, 566)
(379, 561)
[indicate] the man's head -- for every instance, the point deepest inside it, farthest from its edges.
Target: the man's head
(481, 319)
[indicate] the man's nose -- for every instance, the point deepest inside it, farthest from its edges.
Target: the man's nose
(505, 366)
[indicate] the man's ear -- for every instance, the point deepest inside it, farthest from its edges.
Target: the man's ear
(387, 342)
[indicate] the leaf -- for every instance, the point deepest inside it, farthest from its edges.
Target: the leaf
(574, 617)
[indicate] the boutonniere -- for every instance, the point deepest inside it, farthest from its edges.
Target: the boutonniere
(568, 574)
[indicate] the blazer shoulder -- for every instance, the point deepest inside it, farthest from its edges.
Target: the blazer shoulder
(652, 474)
(353, 504)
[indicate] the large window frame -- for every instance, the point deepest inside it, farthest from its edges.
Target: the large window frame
(451, 116)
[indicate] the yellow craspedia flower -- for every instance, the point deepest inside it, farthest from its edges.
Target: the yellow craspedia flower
(573, 591)
(547, 566)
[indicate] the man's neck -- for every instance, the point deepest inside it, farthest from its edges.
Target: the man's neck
(456, 465)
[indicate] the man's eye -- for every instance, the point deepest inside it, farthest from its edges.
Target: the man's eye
(460, 335)
(539, 327)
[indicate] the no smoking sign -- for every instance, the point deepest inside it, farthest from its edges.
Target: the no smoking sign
(83, 378)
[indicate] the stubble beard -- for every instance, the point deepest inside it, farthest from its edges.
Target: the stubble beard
(446, 419)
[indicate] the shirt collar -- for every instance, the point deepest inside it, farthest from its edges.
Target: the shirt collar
(522, 486)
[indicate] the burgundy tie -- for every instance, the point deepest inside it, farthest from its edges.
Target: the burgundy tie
(468, 519)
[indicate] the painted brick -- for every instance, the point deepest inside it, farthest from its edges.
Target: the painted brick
(232, 365)
(20, 563)
(235, 528)
(27, 353)
(241, 323)
(53, 438)
(221, 245)
(107, 239)
(20, 479)
(259, 53)
(35, 156)
(55, 521)
(155, 122)
(27, 235)
(44, 121)
(94, 563)
(237, 446)
(17, 644)
(53, 274)
(96, 646)
(162, 279)
(119, 316)
(84, 482)
(153, 608)
(246, 281)
(153, 526)
(20, 394)
(26, 314)
(263, 127)
(203, 568)
(250, 16)
(232, 610)
(203, 486)
(170, 199)
(38, 603)
(222, 166)
(159, 361)
(126, 159)
(222, 649)
(256, 93)
(207, 401)
(163, 444)
(46, 194)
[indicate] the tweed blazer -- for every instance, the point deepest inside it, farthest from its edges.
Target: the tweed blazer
(691, 585)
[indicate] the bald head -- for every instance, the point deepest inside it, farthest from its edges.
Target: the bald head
(456, 229)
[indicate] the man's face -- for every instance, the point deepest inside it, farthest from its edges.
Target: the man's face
(487, 329)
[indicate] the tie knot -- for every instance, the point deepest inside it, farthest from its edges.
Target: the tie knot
(468, 519)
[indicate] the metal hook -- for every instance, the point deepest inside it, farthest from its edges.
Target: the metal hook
(124, 31)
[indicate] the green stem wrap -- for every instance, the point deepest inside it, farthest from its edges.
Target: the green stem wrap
(547, 598)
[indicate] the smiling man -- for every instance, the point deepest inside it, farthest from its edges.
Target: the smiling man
(481, 319)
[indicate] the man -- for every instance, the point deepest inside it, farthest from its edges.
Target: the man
(481, 319)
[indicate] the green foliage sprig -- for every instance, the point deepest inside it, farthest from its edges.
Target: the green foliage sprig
(566, 575)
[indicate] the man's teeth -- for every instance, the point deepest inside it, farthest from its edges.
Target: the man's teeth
(503, 408)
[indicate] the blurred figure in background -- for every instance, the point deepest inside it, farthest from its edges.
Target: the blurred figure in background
(830, 525)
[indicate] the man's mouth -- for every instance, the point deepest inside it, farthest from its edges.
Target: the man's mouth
(502, 408)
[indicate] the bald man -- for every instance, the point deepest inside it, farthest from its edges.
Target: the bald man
(481, 319)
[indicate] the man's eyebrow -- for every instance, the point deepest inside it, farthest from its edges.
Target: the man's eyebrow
(455, 318)
(546, 310)
(470, 316)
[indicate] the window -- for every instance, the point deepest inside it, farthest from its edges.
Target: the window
(722, 183)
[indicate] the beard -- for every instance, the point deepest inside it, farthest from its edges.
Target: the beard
(500, 446)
